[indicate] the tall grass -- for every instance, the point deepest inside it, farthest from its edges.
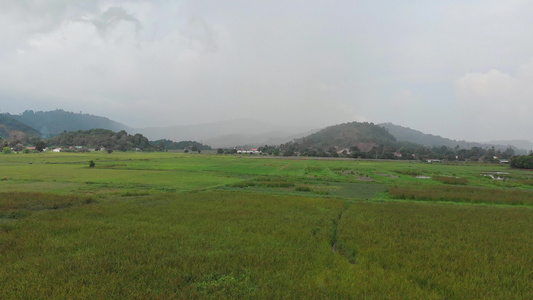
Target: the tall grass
(200, 245)
(442, 251)
(462, 194)
(150, 237)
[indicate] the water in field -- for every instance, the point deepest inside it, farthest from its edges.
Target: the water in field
(495, 175)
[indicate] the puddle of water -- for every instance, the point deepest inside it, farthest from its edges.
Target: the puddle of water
(495, 175)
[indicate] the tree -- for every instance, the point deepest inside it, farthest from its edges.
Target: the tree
(6, 150)
(508, 153)
(40, 146)
(91, 164)
(522, 162)
(220, 150)
(18, 147)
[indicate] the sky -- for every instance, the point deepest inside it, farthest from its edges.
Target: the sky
(462, 69)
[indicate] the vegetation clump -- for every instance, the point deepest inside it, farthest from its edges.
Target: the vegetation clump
(16, 204)
(450, 180)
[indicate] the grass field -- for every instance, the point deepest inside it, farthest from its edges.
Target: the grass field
(169, 225)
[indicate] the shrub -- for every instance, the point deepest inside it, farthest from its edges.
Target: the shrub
(91, 164)
(6, 150)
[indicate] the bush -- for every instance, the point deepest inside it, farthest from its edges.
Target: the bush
(6, 150)
(91, 164)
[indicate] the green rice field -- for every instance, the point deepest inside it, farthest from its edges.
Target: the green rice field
(197, 226)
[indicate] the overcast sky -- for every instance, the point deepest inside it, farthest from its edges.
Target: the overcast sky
(461, 69)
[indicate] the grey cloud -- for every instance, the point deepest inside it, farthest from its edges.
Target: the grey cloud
(415, 63)
(112, 17)
(201, 31)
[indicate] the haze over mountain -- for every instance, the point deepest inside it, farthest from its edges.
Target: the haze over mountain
(228, 133)
(520, 144)
(50, 123)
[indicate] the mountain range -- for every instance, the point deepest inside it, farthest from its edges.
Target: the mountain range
(241, 132)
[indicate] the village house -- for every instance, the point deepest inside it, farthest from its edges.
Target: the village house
(251, 151)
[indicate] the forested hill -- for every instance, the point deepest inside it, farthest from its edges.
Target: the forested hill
(13, 129)
(51, 123)
(364, 136)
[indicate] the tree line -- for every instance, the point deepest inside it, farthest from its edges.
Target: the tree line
(399, 150)
(101, 138)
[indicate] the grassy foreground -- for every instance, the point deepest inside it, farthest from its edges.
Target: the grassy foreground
(166, 225)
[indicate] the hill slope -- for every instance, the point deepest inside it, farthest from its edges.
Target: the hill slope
(15, 130)
(55, 122)
(414, 136)
(405, 134)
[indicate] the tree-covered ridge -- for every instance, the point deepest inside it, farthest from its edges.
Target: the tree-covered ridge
(8, 124)
(165, 144)
(51, 123)
(97, 138)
